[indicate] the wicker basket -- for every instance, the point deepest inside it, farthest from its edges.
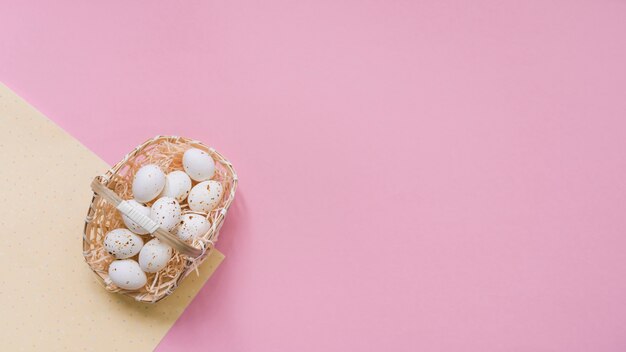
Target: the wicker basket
(112, 188)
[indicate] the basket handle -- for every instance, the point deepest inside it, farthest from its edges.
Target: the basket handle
(148, 224)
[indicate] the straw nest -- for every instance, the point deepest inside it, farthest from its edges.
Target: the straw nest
(103, 216)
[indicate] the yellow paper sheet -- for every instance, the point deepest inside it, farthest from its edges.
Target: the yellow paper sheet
(49, 298)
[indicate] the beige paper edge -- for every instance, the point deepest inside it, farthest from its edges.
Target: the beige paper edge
(50, 300)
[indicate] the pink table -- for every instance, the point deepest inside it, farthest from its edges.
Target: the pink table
(432, 176)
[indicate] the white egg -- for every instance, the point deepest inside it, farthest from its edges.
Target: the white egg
(127, 274)
(177, 185)
(198, 164)
(122, 244)
(192, 226)
(133, 226)
(148, 183)
(154, 256)
(166, 212)
(205, 196)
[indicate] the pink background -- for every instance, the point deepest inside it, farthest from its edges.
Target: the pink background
(434, 176)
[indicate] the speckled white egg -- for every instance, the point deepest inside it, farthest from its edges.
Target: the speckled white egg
(177, 185)
(133, 226)
(122, 244)
(205, 196)
(166, 212)
(154, 256)
(192, 226)
(198, 164)
(127, 274)
(148, 183)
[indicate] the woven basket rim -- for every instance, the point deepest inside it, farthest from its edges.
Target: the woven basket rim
(213, 233)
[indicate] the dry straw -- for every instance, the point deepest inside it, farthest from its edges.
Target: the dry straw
(114, 186)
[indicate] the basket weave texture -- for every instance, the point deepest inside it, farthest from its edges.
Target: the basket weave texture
(103, 216)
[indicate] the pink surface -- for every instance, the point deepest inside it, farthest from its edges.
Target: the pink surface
(433, 176)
